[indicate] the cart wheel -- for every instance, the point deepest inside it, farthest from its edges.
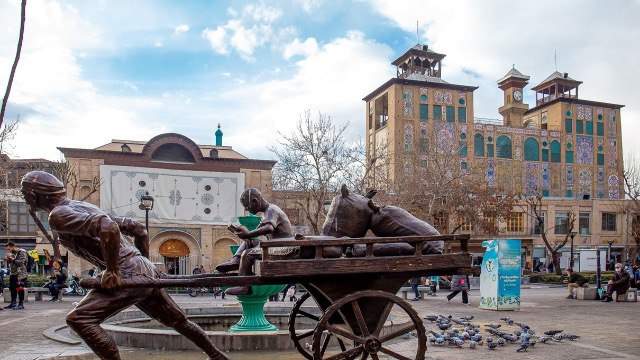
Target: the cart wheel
(299, 336)
(368, 342)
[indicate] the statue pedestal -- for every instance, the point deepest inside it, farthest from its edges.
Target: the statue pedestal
(253, 318)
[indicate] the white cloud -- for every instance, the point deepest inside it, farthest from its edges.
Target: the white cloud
(310, 5)
(226, 74)
(303, 48)
(483, 39)
(59, 107)
(181, 29)
(216, 39)
(327, 80)
(245, 31)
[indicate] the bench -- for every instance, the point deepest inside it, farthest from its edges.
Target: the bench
(587, 293)
(406, 291)
(39, 292)
(630, 296)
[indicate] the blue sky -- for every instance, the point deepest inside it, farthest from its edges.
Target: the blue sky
(94, 71)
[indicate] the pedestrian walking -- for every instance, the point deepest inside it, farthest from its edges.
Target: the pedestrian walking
(415, 282)
(459, 284)
(17, 260)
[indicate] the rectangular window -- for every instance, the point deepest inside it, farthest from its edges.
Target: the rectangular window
(451, 113)
(423, 144)
(463, 148)
(569, 193)
(515, 222)
(568, 126)
(562, 222)
(489, 150)
(578, 126)
(608, 221)
(583, 223)
(589, 127)
(19, 218)
(600, 159)
(462, 115)
(437, 112)
(545, 193)
(537, 225)
(545, 154)
(568, 157)
(424, 111)
(600, 129)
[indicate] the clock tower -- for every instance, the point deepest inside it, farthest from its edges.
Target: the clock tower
(514, 108)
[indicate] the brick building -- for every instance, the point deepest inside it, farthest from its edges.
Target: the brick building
(567, 148)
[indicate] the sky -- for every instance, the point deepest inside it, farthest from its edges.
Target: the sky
(92, 71)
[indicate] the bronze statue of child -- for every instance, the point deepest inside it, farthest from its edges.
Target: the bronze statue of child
(274, 225)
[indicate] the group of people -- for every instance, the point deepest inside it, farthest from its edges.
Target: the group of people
(625, 277)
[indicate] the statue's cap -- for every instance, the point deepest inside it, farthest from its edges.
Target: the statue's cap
(43, 183)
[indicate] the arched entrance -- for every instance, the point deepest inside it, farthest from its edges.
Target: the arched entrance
(177, 252)
(174, 252)
(221, 251)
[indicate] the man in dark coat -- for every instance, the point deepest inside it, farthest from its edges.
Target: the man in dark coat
(89, 233)
(619, 284)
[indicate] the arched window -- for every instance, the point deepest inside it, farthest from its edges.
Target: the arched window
(125, 148)
(555, 151)
(503, 147)
(478, 145)
(531, 149)
(172, 153)
(213, 153)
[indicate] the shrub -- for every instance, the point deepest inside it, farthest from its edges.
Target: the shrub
(557, 279)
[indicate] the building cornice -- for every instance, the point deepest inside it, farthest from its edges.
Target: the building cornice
(394, 81)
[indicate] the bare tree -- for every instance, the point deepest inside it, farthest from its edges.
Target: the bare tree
(632, 192)
(68, 174)
(533, 207)
(313, 161)
(7, 92)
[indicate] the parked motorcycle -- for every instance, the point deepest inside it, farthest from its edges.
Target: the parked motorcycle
(74, 285)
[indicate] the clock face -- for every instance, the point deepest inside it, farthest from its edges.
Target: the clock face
(517, 95)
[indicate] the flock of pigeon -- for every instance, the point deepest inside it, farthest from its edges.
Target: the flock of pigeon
(456, 332)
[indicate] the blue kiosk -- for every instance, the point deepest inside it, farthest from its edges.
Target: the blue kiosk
(500, 275)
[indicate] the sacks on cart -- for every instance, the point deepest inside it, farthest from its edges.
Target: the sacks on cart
(390, 221)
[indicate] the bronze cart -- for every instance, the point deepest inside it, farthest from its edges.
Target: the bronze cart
(355, 295)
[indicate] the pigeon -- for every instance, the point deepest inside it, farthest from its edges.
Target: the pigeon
(493, 326)
(455, 330)
(531, 332)
(405, 336)
(533, 342)
(501, 342)
(523, 347)
(476, 337)
(457, 342)
(468, 318)
(431, 339)
(431, 318)
(512, 338)
(489, 339)
(522, 325)
(543, 339)
(507, 320)
(491, 345)
(570, 337)
(439, 341)
(465, 335)
(552, 332)
(517, 332)
(472, 344)
(444, 326)
(558, 337)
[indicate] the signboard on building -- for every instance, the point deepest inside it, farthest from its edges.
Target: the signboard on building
(185, 197)
(588, 260)
(500, 275)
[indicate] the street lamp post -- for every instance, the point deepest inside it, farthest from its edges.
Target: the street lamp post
(573, 234)
(610, 242)
(146, 204)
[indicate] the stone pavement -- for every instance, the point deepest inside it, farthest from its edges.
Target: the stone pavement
(608, 331)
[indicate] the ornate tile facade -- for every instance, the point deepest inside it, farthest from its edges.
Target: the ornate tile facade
(407, 102)
(584, 148)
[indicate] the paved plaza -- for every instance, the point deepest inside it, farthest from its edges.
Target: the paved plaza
(607, 331)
